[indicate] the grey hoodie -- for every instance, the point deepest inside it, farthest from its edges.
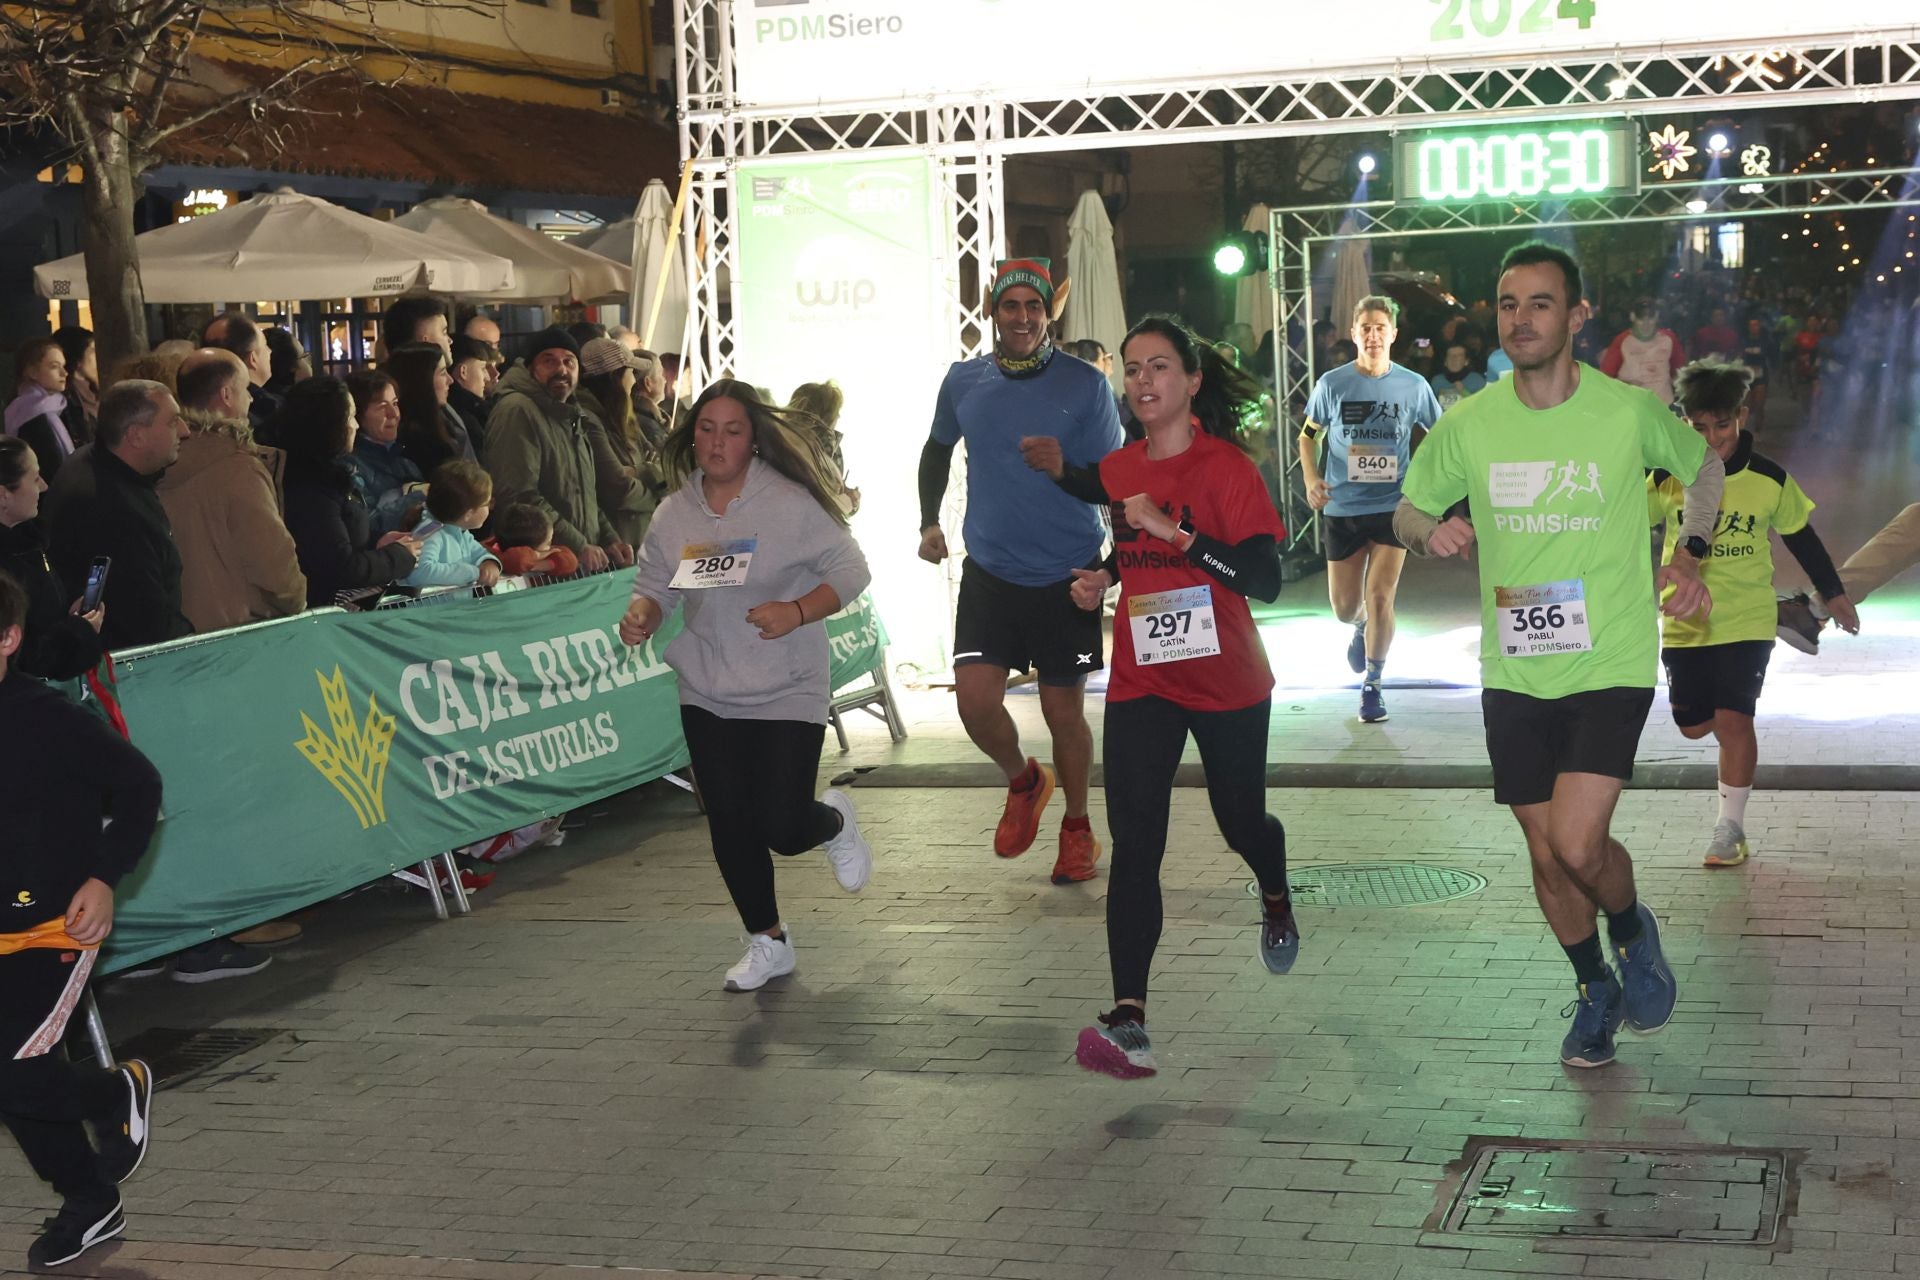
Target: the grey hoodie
(723, 664)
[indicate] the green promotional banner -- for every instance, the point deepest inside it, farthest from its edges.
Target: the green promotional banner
(306, 757)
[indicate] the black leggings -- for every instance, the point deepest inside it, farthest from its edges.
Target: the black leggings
(44, 1098)
(1141, 749)
(756, 778)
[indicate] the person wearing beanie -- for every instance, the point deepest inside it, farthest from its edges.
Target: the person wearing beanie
(539, 450)
(1024, 536)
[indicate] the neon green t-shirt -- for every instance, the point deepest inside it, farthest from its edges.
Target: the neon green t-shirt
(1759, 496)
(1558, 502)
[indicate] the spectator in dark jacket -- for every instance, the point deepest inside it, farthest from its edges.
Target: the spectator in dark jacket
(385, 473)
(105, 503)
(287, 361)
(472, 379)
(83, 381)
(325, 513)
(37, 413)
(430, 431)
(60, 643)
(236, 331)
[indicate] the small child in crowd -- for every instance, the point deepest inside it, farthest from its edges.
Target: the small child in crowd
(459, 499)
(523, 536)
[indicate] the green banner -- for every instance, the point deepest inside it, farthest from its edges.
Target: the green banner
(305, 757)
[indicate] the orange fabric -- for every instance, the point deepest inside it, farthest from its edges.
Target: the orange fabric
(51, 936)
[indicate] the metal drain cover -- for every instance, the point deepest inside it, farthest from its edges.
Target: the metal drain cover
(1377, 884)
(1591, 1190)
(177, 1055)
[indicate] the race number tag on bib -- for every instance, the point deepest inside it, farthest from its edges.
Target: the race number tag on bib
(1369, 465)
(1173, 626)
(714, 564)
(1549, 618)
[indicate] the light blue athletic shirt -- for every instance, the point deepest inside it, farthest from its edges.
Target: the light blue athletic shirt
(1376, 415)
(1022, 527)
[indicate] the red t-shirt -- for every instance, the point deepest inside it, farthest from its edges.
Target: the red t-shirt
(1219, 491)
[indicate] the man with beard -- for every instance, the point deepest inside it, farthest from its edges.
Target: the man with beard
(537, 451)
(1553, 463)
(1024, 538)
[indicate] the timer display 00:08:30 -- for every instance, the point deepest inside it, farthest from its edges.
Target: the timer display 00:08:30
(1499, 166)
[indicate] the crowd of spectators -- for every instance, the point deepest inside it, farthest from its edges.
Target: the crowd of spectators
(226, 483)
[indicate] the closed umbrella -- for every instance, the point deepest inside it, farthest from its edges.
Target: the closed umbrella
(544, 268)
(1352, 270)
(287, 245)
(651, 255)
(1252, 299)
(1095, 308)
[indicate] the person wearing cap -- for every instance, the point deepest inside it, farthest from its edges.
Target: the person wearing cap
(539, 451)
(1024, 538)
(472, 380)
(621, 459)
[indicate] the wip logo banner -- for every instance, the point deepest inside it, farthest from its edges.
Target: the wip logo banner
(354, 757)
(799, 25)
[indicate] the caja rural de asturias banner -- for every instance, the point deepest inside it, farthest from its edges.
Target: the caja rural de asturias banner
(306, 757)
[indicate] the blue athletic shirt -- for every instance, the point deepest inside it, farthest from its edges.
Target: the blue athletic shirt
(1021, 527)
(1376, 414)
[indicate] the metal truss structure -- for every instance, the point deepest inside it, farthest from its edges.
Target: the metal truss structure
(972, 134)
(1301, 235)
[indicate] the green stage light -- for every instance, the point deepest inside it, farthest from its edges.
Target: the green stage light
(1242, 253)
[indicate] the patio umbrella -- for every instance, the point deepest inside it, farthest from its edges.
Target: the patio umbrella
(1094, 306)
(1252, 301)
(615, 240)
(287, 245)
(651, 255)
(1352, 271)
(544, 268)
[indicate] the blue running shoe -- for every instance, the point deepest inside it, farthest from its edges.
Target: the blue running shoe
(1373, 707)
(1596, 1016)
(1357, 648)
(1279, 937)
(1645, 978)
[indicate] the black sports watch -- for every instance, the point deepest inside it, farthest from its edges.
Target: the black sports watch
(1696, 546)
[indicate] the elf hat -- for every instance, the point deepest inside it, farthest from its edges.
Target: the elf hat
(1036, 274)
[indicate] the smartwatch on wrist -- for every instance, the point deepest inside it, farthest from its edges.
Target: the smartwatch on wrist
(1696, 546)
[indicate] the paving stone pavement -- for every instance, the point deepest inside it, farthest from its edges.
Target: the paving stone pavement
(557, 1081)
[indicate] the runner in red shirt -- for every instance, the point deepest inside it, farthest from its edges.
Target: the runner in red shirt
(1195, 536)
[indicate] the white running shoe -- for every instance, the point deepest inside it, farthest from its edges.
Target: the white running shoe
(767, 958)
(851, 856)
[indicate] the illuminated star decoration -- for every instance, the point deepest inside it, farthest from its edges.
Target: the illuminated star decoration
(1670, 151)
(1756, 161)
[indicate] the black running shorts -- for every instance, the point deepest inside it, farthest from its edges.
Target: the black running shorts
(1704, 679)
(1344, 535)
(1004, 624)
(1532, 741)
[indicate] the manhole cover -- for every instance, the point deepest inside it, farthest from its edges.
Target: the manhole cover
(1377, 884)
(178, 1055)
(1519, 1187)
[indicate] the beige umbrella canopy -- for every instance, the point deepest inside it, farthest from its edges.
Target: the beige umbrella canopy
(544, 269)
(1094, 306)
(287, 245)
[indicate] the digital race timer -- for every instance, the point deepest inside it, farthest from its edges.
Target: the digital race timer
(1561, 159)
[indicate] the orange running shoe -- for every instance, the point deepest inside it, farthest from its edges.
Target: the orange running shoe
(1021, 821)
(1078, 852)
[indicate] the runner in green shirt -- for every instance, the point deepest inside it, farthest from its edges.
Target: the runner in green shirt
(1553, 464)
(1716, 665)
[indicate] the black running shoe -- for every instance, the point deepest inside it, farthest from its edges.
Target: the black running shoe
(73, 1231)
(1279, 937)
(124, 1146)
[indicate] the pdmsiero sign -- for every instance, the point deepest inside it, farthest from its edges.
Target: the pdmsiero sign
(804, 52)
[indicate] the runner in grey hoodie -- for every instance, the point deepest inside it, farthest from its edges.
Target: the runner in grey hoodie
(756, 549)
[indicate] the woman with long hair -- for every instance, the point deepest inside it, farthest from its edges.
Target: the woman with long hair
(430, 432)
(1195, 536)
(608, 372)
(328, 518)
(756, 550)
(83, 381)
